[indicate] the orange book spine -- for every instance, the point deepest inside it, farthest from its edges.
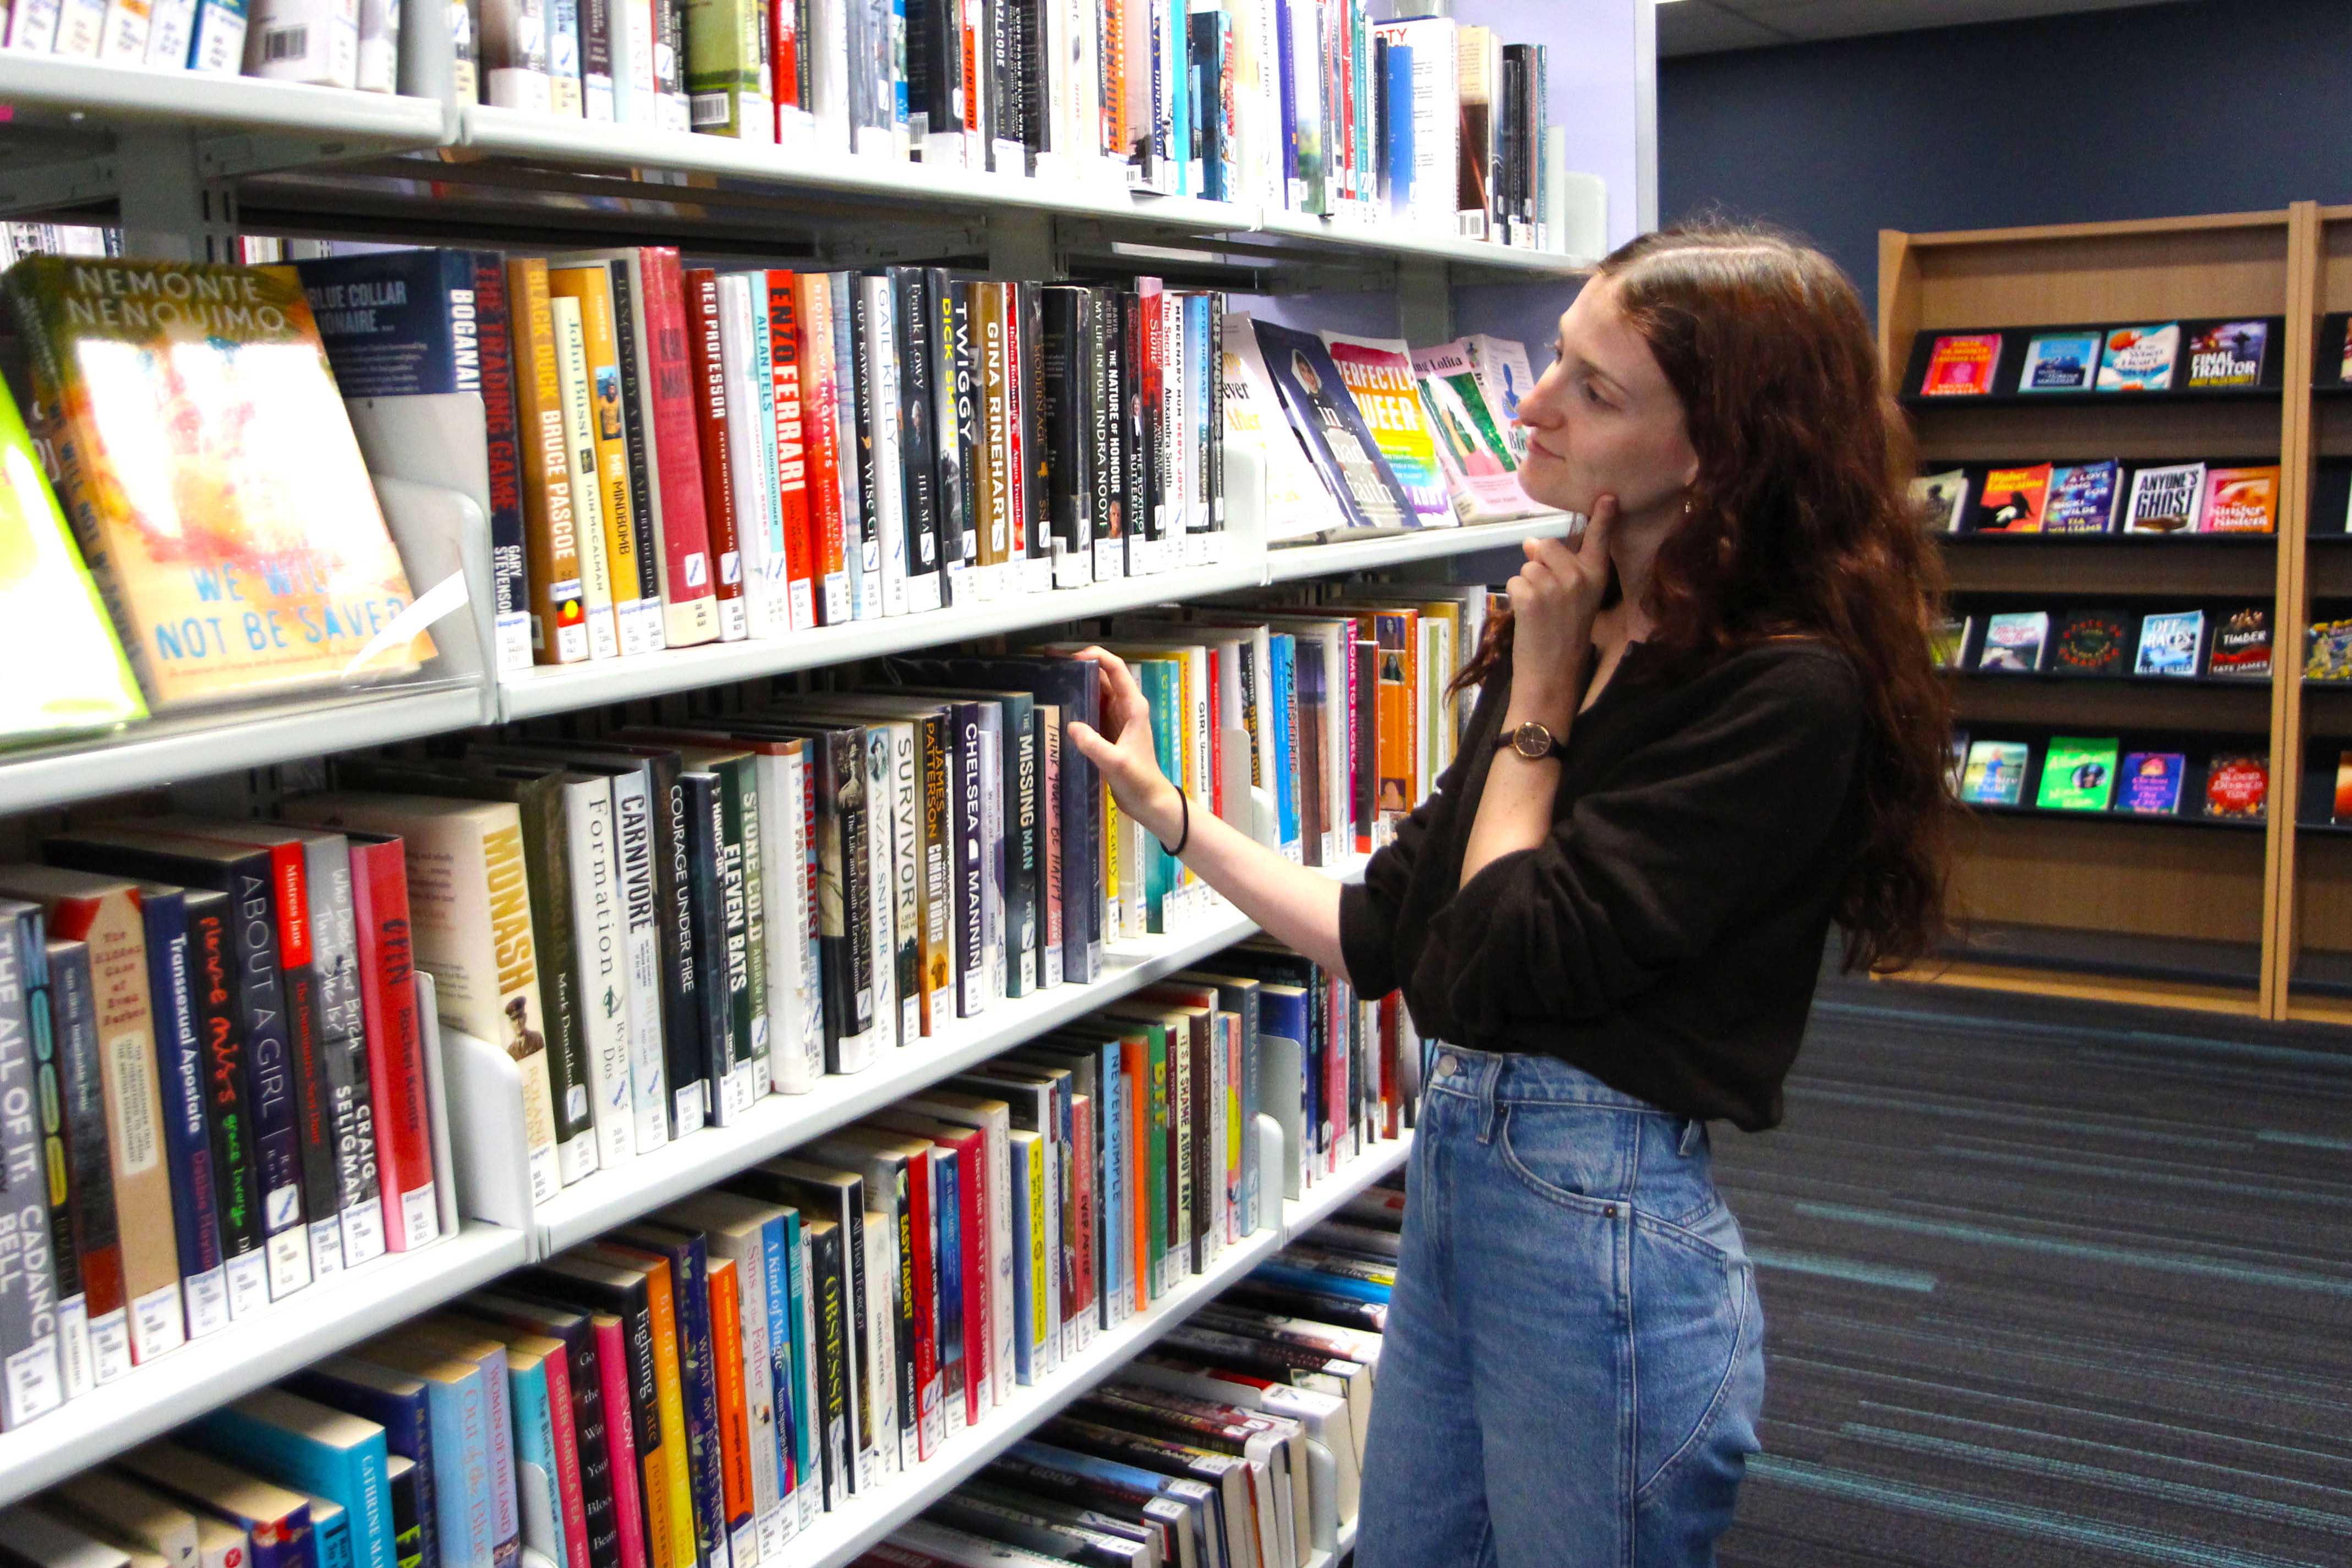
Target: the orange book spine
(821, 420)
(559, 608)
(734, 1416)
(1136, 1056)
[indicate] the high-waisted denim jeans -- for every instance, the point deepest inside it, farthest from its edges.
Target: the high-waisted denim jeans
(1574, 1362)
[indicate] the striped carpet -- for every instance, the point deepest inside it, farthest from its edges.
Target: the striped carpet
(2048, 1285)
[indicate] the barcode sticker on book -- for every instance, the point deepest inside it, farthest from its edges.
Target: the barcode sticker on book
(710, 108)
(285, 43)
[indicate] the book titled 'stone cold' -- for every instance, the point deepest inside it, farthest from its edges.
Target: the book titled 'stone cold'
(2139, 359)
(2059, 362)
(212, 477)
(69, 672)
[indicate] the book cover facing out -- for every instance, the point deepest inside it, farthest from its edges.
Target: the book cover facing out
(2150, 782)
(2082, 498)
(2012, 500)
(1961, 366)
(1942, 499)
(2092, 643)
(2166, 500)
(2238, 785)
(2171, 644)
(2242, 644)
(215, 486)
(2013, 640)
(2242, 500)
(2077, 775)
(1995, 773)
(2059, 362)
(2139, 359)
(2227, 354)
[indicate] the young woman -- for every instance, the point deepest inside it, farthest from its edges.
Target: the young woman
(1705, 731)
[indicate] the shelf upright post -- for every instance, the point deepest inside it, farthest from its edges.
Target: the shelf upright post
(1024, 245)
(1424, 300)
(2290, 607)
(173, 209)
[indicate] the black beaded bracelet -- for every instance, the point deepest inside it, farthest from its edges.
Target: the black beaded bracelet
(1186, 836)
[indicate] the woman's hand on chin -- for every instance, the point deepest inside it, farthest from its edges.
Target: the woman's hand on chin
(1554, 599)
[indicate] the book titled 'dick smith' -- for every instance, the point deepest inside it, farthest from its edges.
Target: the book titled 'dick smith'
(212, 477)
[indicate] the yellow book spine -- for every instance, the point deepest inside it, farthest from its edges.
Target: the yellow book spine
(670, 1399)
(637, 593)
(1039, 1327)
(558, 619)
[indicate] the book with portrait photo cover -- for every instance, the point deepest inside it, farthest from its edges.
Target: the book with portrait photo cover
(1331, 427)
(2077, 775)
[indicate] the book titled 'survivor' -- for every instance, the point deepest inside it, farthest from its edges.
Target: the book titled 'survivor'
(212, 477)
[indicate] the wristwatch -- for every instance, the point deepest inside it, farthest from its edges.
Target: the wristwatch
(1530, 740)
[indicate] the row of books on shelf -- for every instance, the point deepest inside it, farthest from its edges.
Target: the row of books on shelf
(2232, 642)
(678, 456)
(1214, 1440)
(663, 924)
(330, 43)
(2099, 774)
(2101, 497)
(2221, 355)
(695, 1389)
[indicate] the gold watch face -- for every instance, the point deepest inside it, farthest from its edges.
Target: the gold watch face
(1532, 741)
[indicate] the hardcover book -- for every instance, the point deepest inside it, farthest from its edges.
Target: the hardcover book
(2238, 784)
(2059, 362)
(2077, 775)
(1961, 366)
(2171, 644)
(2242, 500)
(2151, 782)
(1942, 499)
(212, 477)
(2227, 354)
(1995, 773)
(2139, 359)
(2242, 644)
(2014, 640)
(2013, 500)
(2092, 643)
(2082, 498)
(2166, 500)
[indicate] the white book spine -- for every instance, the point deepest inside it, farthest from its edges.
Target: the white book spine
(81, 28)
(33, 27)
(882, 868)
(316, 42)
(580, 463)
(632, 846)
(514, 55)
(124, 37)
(783, 888)
(379, 46)
(600, 935)
(750, 471)
(887, 514)
(775, 565)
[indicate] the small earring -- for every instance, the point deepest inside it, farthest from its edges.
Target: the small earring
(1686, 507)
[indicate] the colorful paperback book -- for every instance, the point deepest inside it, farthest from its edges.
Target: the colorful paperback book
(2059, 363)
(2238, 784)
(2242, 500)
(1379, 372)
(1942, 499)
(2092, 643)
(2227, 354)
(2014, 640)
(2327, 652)
(2242, 644)
(1480, 468)
(1331, 427)
(2082, 498)
(1948, 642)
(2077, 775)
(1961, 366)
(1995, 774)
(212, 477)
(2013, 500)
(2166, 500)
(2343, 808)
(1296, 503)
(2151, 782)
(2139, 359)
(2171, 644)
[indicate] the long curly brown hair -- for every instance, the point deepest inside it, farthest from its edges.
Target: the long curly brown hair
(1800, 524)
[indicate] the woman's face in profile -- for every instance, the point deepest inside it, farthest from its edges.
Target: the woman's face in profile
(1603, 420)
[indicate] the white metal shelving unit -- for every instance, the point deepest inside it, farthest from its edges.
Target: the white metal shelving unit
(327, 1317)
(1290, 563)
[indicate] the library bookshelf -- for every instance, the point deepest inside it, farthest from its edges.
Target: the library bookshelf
(2250, 919)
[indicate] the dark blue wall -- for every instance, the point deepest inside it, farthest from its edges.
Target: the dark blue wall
(2212, 105)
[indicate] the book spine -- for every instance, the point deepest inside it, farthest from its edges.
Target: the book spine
(955, 434)
(394, 1047)
(514, 55)
(1030, 517)
(861, 552)
(698, 1391)
(1019, 759)
(228, 1107)
(94, 1325)
(600, 951)
(689, 594)
(180, 1081)
(820, 422)
(882, 897)
(735, 821)
(879, 471)
(1105, 347)
(604, 455)
(936, 985)
(597, 19)
(780, 299)
(574, 419)
(510, 592)
(1068, 430)
(697, 1049)
(740, 1517)
(636, 849)
(629, 1524)
(32, 1381)
(635, 412)
(706, 366)
(992, 516)
(558, 603)
(344, 1050)
(314, 1119)
(916, 353)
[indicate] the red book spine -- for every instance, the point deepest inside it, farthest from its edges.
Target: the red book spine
(567, 1455)
(734, 1419)
(1216, 736)
(1016, 395)
(791, 450)
(930, 1416)
(620, 1440)
(1082, 1184)
(671, 391)
(784, 60)
(1335, 1069)
(395, 1050)
(702, 347)
(821, 417)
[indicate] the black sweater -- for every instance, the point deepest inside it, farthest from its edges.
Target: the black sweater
(1666, 936)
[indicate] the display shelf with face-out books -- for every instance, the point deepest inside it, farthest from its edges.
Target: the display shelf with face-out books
(1332, 557)
(2113, 816)
(838, 1538)
(327, 1317)
(2247, 354)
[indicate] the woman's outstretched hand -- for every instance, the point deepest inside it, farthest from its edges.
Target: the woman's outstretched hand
(1122, 747)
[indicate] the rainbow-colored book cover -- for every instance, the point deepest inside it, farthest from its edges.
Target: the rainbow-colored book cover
(1379, 374)
(211, 477)
(68, 671)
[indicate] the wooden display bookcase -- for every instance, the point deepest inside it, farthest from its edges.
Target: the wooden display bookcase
(2187, 911)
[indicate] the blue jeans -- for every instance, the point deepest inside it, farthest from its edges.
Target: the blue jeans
(1574, 1362)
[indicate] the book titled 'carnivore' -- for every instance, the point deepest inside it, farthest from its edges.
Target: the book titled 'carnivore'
(212, 478)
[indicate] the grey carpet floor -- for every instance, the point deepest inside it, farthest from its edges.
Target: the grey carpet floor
(2048, 1285)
